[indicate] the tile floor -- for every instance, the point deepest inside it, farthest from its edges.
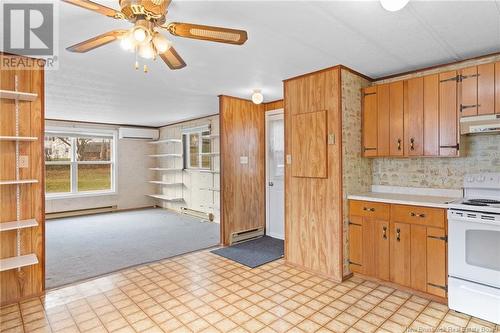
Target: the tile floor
(202, 292)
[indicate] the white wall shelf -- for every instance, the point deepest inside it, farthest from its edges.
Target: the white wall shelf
(18, 138)
(21, 181)
(19, 95)
(18, 262)
(166, 155)
(165, 198)
(166, 169)
(15, 225)
(159, 182)
(166, 141)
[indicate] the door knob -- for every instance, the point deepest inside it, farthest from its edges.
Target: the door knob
(271, 184)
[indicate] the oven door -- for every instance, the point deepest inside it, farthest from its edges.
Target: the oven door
(474, 249)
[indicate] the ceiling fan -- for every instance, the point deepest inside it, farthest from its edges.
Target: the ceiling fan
(149, 18)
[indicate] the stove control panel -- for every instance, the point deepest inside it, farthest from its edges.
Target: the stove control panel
(482, 180)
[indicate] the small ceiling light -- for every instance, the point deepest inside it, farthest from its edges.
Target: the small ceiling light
(127, 43)
(257, 97)
(146, 51)
(161, 43)
(140, 35)
(393, 5)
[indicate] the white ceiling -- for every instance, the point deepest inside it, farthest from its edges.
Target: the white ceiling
(284, 39)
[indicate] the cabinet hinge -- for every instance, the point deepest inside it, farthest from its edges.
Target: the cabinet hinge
(445, 288)
(457, 146)
(444, 238)
(463, 107)
(455, 78)
(350, 223)
(354, 263)
(464, 77)
(368, 94)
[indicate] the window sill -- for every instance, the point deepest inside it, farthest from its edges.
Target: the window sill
(79, 195)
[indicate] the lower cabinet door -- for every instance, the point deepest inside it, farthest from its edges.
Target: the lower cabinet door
(436, 262)
(382, 250)
(356, 244)
(418, 258)
(400, 253)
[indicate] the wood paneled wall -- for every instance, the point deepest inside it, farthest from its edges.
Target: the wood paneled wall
(313, 184)
(32, 196)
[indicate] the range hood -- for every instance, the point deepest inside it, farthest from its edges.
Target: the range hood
(480, 124)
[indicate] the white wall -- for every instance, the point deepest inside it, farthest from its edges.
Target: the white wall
(131, 181)
(193, 192)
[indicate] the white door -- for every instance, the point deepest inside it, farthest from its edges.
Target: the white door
(275, 174)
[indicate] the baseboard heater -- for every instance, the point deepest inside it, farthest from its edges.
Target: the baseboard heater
(78, 212)
(197, 213)
(246, 235)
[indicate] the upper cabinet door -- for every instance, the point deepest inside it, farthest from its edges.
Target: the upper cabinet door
(448, 114)
(468, 105)
(486, 89)
(497, 87)
(396, 129)
(369, 148)
(414, 117)
(383, 123)
(431, 115)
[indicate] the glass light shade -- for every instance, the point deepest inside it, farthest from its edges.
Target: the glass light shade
(146, 51)
(257, 97)
(161, 43)
(140, 35)
(127, 43)
(393, 5)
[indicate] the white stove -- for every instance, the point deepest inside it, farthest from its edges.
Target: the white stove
(474, 248)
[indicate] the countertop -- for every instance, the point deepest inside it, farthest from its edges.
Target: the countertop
(404, 199)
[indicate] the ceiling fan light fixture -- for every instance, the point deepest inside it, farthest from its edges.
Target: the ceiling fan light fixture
(161, 43)
(146, 51)
(257, 97)
(127, 43)
(140, 35)
(393, 5)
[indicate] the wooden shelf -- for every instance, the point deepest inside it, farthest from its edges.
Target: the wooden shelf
(159, 182)
(210, 154)
(18, 138)
(166, 141)
(17, 262)
(15, 225)
(166, 155)
(19, 95)
(165, 198)
(210, 189)
(15, 182)
(166, 169)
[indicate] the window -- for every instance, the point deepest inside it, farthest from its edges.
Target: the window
(79, 163)
(197, 147)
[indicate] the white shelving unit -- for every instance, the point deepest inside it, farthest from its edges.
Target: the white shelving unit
(165, 198)
(18, 138)
(18, 95)
(14, 225)
(18, 261)
(18, 182)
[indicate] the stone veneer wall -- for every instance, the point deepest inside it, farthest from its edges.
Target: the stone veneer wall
(356, 170)
(481, 154)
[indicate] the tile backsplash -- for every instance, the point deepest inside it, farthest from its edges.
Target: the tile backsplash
(481, 154)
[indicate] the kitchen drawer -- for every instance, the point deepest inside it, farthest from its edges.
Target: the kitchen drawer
(433, 217)
(377, 210)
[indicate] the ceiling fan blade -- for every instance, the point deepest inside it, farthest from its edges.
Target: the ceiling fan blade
(172, 59)
(95, 7)
(209, 33)
(97, 41)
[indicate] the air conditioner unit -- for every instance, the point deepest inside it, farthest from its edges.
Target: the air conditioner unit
(138, 133)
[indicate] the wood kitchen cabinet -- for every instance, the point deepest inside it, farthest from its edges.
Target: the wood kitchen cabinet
(448, 114)
(477, 90)
(370, 117)
(399, 243)
(497, 87)
(414, 116)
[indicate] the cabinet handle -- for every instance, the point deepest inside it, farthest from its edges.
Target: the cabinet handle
(417, 215)
(412, 144)
(399, 144)
(368, 209)
(384, 232)
(398, 234)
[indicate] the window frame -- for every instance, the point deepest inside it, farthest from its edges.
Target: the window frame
(187, 145)
(73, 134)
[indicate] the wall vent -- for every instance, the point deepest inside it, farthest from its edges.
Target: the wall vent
(242, 236)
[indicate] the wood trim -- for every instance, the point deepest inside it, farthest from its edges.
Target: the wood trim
(340, 189)
(392, 76)
(222, 147)
(339, 67)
